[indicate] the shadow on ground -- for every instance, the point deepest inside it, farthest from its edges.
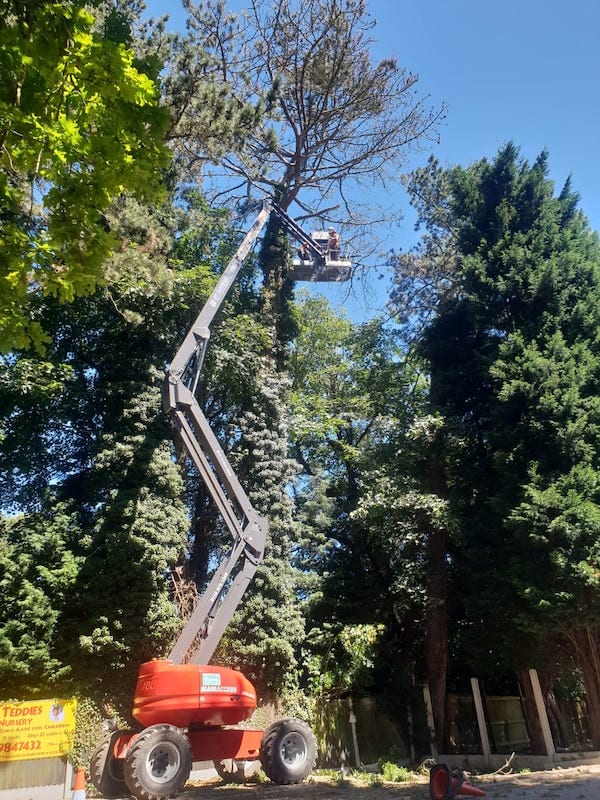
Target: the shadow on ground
(575, 783)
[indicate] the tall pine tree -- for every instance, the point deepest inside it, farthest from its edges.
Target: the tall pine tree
(513, 356)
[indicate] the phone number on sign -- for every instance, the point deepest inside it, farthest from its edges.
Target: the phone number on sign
(11, 747)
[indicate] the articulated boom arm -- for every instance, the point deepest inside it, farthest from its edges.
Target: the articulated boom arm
(214, 610)
(218, 604)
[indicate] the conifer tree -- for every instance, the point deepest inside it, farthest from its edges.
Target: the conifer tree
(513, 358)
(333, 118)
(267, 633)
(38, 573)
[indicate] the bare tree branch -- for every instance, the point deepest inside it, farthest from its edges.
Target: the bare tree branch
(335, 119)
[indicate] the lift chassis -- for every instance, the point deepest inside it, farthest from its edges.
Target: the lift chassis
(188, 709)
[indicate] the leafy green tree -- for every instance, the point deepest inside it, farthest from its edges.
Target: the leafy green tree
(342, 659)
(106, 451)
(86, 419)
(125, 491)
(136, 533)
(353, 400)
(80, 124)
(513, 358)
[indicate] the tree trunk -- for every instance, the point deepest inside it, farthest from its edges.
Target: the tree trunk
(436, 631)
(278, 293)
(436, 619)
(587, 642)
(204, 525)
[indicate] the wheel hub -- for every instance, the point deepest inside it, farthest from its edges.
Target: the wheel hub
(293, 750)
(163, 762)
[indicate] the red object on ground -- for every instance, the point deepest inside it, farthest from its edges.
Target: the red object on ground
(444, 786)
(202, 698)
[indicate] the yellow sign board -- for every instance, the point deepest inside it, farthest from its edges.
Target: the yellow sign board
(36, 729)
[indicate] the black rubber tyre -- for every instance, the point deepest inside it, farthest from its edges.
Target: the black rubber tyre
(106, 771)
(158, 763)
(288, 751)
(231, 770)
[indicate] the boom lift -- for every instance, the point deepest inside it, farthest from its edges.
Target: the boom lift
(187, 708)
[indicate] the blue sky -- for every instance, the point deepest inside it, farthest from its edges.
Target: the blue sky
(521, 70)
(526, 70)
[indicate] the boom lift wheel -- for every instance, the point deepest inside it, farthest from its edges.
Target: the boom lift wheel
(158, 763)
(106, 771)
(288, 751)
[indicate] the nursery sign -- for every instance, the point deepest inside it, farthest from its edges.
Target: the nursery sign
(36, 729)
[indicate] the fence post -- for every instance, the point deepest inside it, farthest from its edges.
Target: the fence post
(430, 722)
(542, 713)
(481, 723)
(68, 784)
(352, 721)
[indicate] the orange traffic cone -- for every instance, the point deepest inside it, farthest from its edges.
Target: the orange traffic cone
(443, 785)
(79, 788)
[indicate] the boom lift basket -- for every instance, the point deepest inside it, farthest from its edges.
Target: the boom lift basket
(321, 268)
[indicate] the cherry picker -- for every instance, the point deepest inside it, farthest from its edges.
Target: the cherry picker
(188, 709)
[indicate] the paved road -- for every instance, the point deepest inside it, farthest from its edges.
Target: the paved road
(575, 783)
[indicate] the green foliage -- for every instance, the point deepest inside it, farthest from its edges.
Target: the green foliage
(392, 773)
(513, 357)
(38, 574)
(210, 121)
(86, 419)
(90, 424)
(351, 432)
(137, 532)
(341, 658)
(268, 652)
(80, 123)
(87, 579)
(88, 732)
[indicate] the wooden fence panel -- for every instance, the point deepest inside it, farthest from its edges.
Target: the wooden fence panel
(507, 724)
(377, 734)
(461, 721)
(569, 724)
